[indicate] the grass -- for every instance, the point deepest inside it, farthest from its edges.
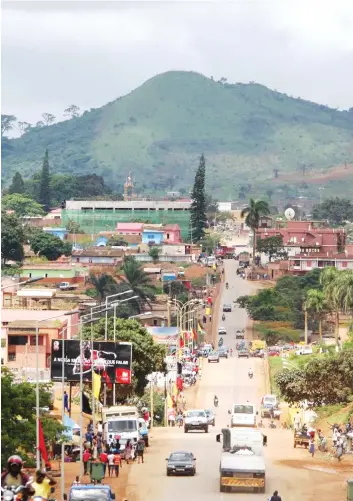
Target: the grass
(159, 130)
(331, 414)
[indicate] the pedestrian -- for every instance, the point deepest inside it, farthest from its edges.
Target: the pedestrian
(66, 402)
(297, 421)
(103, 457)
(111, 457)
(312, 447)
(210, 318)
(204, 319)
(90, 426)
(76, 481)
(339, 450)
(140, 450)
(117, 463)
(335, 436)
(86, 457)
(99, 444)
(43, 484)
(275, 497)
(128, 451)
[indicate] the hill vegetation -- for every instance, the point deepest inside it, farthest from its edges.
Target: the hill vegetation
(158, 131)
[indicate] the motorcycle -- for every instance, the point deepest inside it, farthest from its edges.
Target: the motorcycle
(227, 285)
(251, 375)
(272, 425)
(15, 493)
(215, 402)
(223, 317)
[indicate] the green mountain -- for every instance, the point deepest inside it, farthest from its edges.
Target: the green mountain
(159, 130)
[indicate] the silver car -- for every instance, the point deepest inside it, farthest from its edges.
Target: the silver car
(195, 420)
(211, 418)
(213, 357)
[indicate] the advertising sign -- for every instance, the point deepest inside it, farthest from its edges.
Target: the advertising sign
(110, 360)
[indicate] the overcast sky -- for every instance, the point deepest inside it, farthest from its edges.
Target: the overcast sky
(89, 53)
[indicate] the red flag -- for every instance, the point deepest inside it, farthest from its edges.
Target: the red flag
(41, 445)
(181, 342)
(194, 334)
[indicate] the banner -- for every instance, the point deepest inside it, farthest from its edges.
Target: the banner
(110, 360)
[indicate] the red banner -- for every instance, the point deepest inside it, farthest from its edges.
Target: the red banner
(123, 376)
(41, 447)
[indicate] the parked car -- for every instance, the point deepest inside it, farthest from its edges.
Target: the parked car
(213, 357)
(227, 308)
(304, 350)
(273, 353)
(243, 354)
(223, 352)
(211, 417)
(181, 463)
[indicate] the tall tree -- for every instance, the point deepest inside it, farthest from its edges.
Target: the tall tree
(253, 213)
(72, 111)
(12, 238)
(7, 123)
(44, 186)
(48, 118)
(315, 302)
(104, 284)
(328, 279)
(23, 205)
(198, 204)
(17, 185)
(138, 281)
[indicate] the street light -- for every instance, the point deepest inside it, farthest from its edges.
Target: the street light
(25, 282)
(69, 313)
(130, 291)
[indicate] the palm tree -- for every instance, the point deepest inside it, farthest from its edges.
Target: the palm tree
(315, 301)
(252, 213)
(138, 281)
(328, 279)
(104, 285)
(344, 291)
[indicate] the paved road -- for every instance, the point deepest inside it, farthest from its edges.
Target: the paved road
(229, 381)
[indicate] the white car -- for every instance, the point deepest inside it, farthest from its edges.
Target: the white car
(196, 420)
(222, 331)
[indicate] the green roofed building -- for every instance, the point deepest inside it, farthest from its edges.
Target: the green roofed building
(94, 216)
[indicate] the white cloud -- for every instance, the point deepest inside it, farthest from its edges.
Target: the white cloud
(90, 53)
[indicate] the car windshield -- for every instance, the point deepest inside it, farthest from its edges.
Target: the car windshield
(89, 495)
(270, 400)
(195, 414)
(180, 456)
(209, 413)
(122, 426)
(243, 409)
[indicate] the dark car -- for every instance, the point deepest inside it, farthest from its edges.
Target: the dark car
(181, 463)
(239, 335)
(227, 308)
(223, 352)
(243, 354)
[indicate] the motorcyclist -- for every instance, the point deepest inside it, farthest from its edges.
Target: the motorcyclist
(215, 401)
(13, 476)
(223, 317)
(250, 373)
(227, 285)
(231, 352)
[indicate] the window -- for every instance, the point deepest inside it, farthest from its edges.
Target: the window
(150, 236)
(168, 236)
(30, 275)
(296, 263)
(33, 340)
(344, 264)
(46, 275)
(12, 357)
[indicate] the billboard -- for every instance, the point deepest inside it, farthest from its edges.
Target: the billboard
(110, 360)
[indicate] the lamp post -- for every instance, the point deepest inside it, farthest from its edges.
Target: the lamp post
(106, 305)
(37, 379)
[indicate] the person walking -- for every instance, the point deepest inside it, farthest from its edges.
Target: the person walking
(128, 452)
(111, 457)
(66, 402)
(312, 447)
(103, 457)
(86, 457)
(117, 463)
(140, 449)
(297, 421)
(275, 497)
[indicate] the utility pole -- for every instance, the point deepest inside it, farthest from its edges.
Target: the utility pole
(151, 400)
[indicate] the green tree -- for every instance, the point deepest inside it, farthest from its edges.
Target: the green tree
(18, 420)
(104, 284)
(44, 186)
(198, 203)
(253, 213)
(138, 281)
(12, 238)
(335, 210)
(147, 356)
(117, 241)
(272, 246)
(154, 254)
(50, 246)
(7, 123)
(73, 227)
(72, 111)
(48, 118)
(344, 291)
(315, 302)
(23, 205)
(17, 185)
(210, 242)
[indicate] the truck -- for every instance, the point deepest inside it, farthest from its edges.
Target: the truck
(67, 286)
(120, 421)
(242, 465)
(225, 252)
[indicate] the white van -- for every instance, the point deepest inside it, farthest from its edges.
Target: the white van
(243, 415)
(304, 350)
